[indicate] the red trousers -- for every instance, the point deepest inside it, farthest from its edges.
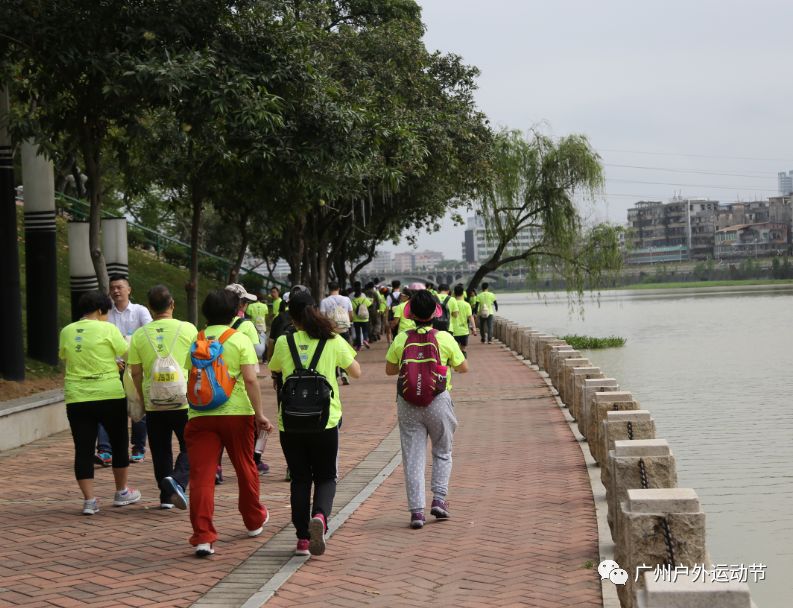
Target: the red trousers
(205, 436)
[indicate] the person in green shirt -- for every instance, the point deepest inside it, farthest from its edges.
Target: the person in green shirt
(448, 308)
(232, 426)
(257, 311)
(360, 316)
(163, 337)
(436, 421)
(400, 322)
(464, 322)
(487, 306)
(94, 394)
(275, 304)
(312, 457)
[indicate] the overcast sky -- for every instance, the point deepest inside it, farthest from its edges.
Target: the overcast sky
(673, 95)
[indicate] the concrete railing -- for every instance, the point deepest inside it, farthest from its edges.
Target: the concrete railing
(654, 524)
(30, 418)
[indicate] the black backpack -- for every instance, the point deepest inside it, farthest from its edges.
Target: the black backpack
(442, 323)
(305, 397)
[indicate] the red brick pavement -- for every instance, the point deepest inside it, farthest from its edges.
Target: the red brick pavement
(523, 526)
(51, 555)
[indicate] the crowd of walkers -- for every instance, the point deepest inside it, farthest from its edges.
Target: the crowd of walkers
(202, 388)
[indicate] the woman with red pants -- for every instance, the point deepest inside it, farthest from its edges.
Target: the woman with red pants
(230, 426)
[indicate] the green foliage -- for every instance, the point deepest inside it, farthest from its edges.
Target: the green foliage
(591, 342)
(534, 185)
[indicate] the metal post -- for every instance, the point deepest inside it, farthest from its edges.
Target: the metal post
(40, 255)
(81, 269)
(12, 354)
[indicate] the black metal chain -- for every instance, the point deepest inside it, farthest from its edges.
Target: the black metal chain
(630, 430)
(643, 474)
(671, 562)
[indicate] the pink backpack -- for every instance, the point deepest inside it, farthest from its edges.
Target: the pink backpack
(421, 375)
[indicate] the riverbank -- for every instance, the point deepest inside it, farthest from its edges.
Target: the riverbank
(701, 284)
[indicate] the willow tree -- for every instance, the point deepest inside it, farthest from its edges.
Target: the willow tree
(534, 185)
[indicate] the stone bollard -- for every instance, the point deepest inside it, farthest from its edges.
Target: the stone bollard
(586, 390)
(498, 322)
(637, 464)
(514, 337)
(534, 346)
(558, 357)
(602, 403)
(691, 590)
(658, 527)
(576, 379)
(566, 372)
(523, 342)
(542, 346)
(625, 425)
(548, 351)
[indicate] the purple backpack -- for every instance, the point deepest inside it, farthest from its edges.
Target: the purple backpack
(421, 375)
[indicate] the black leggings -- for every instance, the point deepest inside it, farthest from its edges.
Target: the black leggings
(161, 427)
(83, 420)
(311, 458)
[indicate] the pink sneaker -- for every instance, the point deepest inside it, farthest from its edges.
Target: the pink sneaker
(317, 528)
(302, 547)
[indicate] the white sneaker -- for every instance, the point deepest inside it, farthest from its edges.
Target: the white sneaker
(166, 506)
(203, 550)
(90, 507)
(126, 497)
(260, 529)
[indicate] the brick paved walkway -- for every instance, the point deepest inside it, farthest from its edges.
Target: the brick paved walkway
(523, 522)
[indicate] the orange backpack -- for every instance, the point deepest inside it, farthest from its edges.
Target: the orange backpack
(210, 383)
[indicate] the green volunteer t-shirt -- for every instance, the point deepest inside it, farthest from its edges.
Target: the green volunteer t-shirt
(404, 323)
(356, 303)
(337, 353)
(237, 351)
(276, 305)
(160, 335)
(451, 354)
(460, 325)
(486, 299)
(90, 349)
(258, 314)
(246, 328)
(381, 303)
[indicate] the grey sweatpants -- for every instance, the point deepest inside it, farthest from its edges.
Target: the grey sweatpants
(437, 421)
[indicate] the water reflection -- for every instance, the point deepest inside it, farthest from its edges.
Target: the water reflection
(715, 369)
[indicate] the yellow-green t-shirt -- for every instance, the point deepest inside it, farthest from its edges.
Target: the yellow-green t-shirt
(276, 306)
(237, 351)
(451, 306)
(356, 303)
(451, 354)
(90, 349)
(258, 314)
(246, 328)
(161, 334)
(404, 323)
(381, 303)
(486, 299)
(460, 325)
(337, 353)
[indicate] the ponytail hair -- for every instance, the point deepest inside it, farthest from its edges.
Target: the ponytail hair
(357, 289)
(303, 311)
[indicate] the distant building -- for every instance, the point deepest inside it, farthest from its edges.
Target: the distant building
(382, 263)
(478, 247)
(785, 183)
(752, 240)
(678, 230)
(403, 262)
(426, 259)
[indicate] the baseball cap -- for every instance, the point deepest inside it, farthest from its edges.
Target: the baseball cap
(240, 291)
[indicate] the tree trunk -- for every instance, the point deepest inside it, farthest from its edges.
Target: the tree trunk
(196, 200)
(490, 266)
(234, 272)
(91, 155)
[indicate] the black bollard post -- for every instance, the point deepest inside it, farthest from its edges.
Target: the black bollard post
(12, 354)
(114, 245)
(40, 255)
(82, 276)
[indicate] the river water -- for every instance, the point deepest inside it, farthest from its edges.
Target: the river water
(715, 369)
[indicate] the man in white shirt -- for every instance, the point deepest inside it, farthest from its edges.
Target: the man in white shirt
(338, 308)
(128, 317)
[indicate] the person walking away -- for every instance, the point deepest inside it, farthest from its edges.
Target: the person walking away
(223, 417)
(257, 311)
(463, 324)
(448, 309)
(159, 359)
(473, 300)
(275, 304)
(94, 395)
(382, 311)
(401, 323)
(338, 309)
(423, 358)
(309, 432)
(128, 317)
(360, 316)
(487, 307)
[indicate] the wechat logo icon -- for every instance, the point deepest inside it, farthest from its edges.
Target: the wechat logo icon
(609, 569)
